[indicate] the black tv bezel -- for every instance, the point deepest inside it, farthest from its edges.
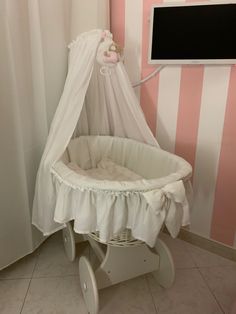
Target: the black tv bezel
(184, 61)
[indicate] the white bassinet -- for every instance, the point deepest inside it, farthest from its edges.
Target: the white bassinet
(103, 169)
(147, 178)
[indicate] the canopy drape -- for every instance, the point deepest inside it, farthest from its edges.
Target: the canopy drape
(97, 100)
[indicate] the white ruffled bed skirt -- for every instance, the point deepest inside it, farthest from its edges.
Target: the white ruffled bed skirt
(94, 207)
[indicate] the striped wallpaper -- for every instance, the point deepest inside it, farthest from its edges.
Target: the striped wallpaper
(192, 111)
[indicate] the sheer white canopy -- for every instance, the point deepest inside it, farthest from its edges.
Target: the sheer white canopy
(99, 107)
(92, 103)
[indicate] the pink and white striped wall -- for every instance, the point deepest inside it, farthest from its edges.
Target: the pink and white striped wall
(192, 111)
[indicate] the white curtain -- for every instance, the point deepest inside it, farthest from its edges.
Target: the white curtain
(34, 35)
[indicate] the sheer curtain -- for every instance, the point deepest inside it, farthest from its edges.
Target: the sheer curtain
(33, 63)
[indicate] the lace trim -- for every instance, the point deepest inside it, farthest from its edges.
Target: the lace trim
(80, 188)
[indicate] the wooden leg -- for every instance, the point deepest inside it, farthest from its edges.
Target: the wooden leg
(69, 242)
(123, 263)
(165, 275)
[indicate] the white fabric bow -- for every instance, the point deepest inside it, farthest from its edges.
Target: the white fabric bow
(171, 204)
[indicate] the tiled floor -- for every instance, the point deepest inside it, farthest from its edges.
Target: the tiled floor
(46, 282)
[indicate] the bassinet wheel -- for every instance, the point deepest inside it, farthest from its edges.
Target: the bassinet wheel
(165, 275)
(69, 242)
(88, 285)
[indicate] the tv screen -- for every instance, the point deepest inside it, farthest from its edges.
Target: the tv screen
(193, 33)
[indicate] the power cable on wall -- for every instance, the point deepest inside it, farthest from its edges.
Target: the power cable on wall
(151, 75)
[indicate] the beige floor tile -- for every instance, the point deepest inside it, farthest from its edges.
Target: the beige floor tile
(52, 240)
(83, 248)
(222, 282)
(53, 262)
(21, 269)
(203, 258)
(12, 294)
(189, 295)
(182, 257)
(58, 295)
(130, 297)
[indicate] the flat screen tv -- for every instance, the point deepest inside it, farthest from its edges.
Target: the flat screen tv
(193, 33)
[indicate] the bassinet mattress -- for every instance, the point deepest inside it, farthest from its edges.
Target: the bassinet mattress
(107, 184)
(106, 170)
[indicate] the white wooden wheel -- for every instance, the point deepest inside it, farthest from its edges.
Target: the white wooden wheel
(165, 275)
(88, 285)
(69, 242)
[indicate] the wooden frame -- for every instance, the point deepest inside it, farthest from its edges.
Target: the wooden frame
(118, 264)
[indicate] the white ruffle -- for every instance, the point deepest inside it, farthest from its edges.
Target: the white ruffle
(111, 213)
(151, 191)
